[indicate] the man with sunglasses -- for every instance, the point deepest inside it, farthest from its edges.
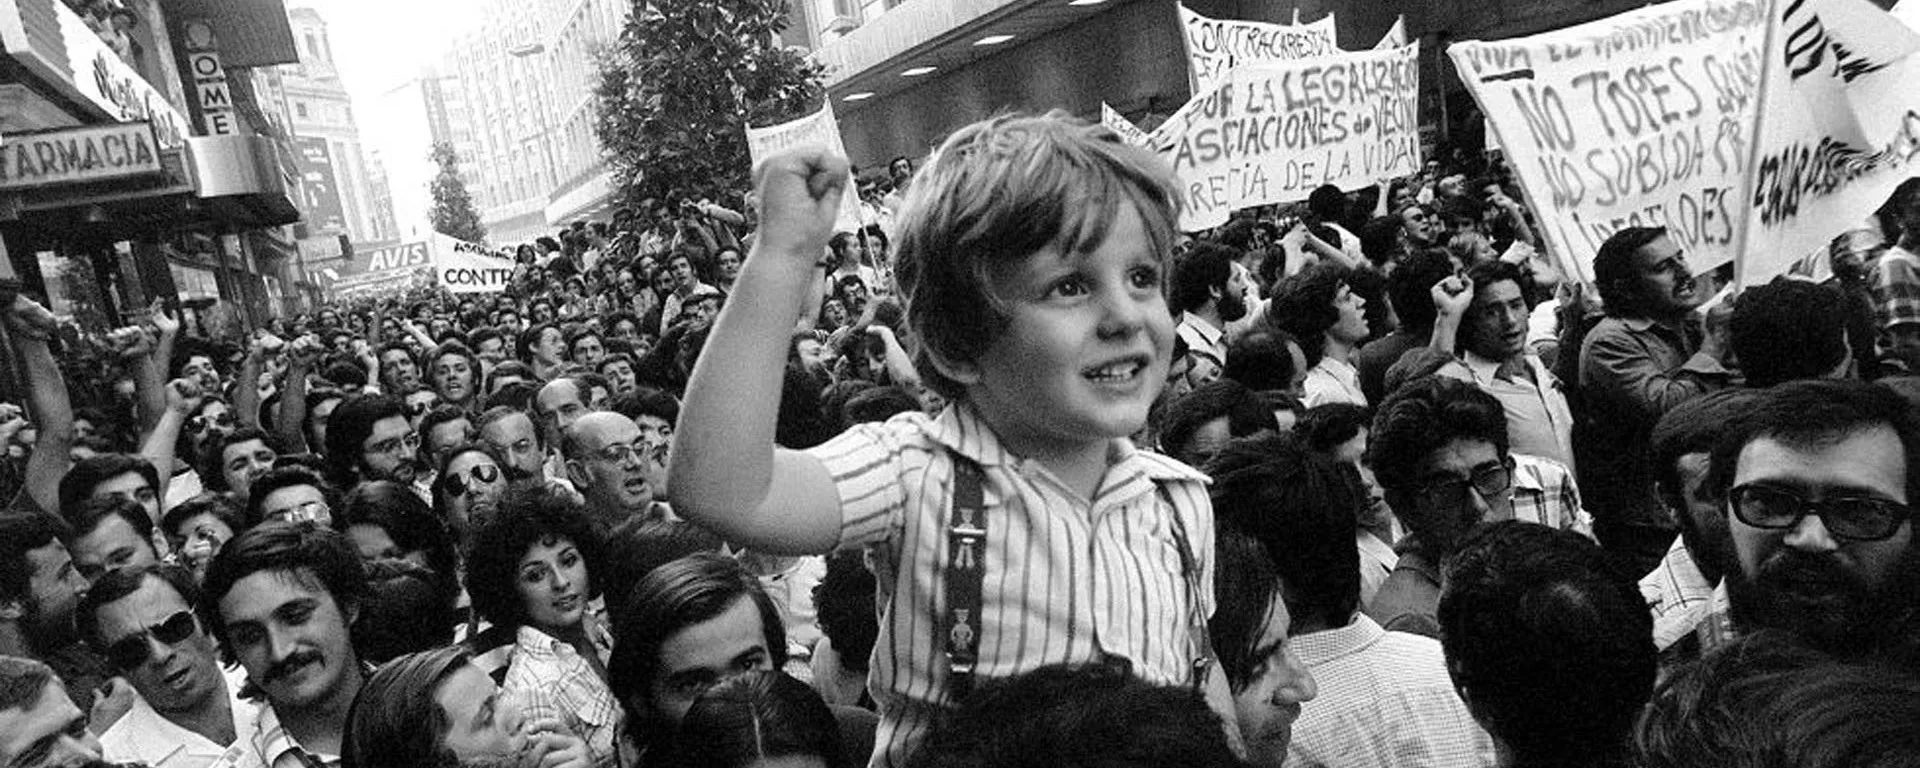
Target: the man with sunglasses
(189, 709)
(1818, 482)
(617, 469)
(1645, 357)
(1440, 452)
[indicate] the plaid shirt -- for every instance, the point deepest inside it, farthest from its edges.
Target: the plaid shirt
(548, 678)
(1896, 292)
(1544, 493)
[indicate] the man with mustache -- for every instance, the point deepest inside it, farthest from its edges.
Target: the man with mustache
(280, 598)
(1641, 360)
(1818, 481)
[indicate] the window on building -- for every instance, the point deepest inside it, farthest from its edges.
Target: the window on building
(313, 47)
(300, 109)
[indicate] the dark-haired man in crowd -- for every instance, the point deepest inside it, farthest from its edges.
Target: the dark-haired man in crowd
(1409, 288)
(687, 625)
(1689, 609)
(1480, 337)
(1550, 651)
(1440, 453)
(110, 533)
(1641, 360)
(39, 590)
(1819, 480)
(1211, 293)
(189, 709)
(1321, 310)
(371, 437)
(1384, 697)
(1790, 329)
(280, 599)
(39, 726)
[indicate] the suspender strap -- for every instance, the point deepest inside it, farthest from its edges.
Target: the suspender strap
(966, 572)
(1197, 634)
(966, 569)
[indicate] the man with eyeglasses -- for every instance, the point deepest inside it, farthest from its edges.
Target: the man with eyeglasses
(292, 494)
(617, 469)
(1440, 452)
(1643, 359)
(371, 437)
(189, 708)
(1818, 479)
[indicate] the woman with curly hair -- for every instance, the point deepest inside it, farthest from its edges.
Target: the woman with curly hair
(531, 569)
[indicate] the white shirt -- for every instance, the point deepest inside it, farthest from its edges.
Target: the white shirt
(1333, 381)
(1385, 701)
(143, 735)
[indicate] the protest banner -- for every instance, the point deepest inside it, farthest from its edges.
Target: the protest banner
(1215, 46)
(1273, 132)
(1118, 123)
(1839, 127)
(1396, 35)
(463, 267)
(819, 130)
(1641, 119)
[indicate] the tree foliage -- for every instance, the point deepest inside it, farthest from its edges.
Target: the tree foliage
(453, 213)
(682, 82)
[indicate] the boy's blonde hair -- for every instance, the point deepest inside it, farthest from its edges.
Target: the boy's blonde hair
(998, 191)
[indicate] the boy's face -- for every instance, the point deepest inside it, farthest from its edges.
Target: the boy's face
(1086, 347)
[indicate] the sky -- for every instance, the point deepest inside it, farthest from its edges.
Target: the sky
(379, 46)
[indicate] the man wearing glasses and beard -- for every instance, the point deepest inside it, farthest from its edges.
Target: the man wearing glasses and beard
(1818, 481)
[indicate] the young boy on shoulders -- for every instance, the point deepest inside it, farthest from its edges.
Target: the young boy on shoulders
(1020, 527)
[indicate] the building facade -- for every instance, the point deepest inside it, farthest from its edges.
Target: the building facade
(522, 79)
(338, 188)
(137, 161)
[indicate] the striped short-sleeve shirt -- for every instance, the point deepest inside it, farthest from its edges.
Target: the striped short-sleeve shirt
(1066, 579)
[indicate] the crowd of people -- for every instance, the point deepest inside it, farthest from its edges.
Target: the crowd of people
(1017, 474)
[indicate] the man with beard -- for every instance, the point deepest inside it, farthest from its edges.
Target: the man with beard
(39, 588)
(1440, 453)
(1211, 293)
(615, 467)
(1484, 317)
(370, 437)
(279, 598)
(1818, 481)
(1638, 363)
(39, 727)
(190, 708)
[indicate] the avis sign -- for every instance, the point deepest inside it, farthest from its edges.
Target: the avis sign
(402, 256)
